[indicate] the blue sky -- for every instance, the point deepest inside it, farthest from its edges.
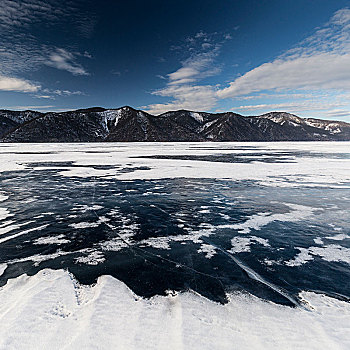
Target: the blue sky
(249, 56)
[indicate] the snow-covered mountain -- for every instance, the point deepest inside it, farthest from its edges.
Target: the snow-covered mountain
(128, 124)
(318, 127)
(9, 120)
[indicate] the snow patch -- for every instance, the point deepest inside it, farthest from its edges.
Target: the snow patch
(3, 197)
(81, 225)
(332, 253)
(3, 267)
(318, 240)
(51, 310)
(60, 239)
(93, 258)
(208, 249)
(256, 222)
(310, 171)
(339, 237)
(197, 117)
(85, 208)
(38, 258)
(4, 213)
(242, 244)
(302, 258)
(2, 240)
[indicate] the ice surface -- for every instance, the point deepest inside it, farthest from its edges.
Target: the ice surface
(5, 239)
(2, 268)
(302, 258)
(208, 249)
(318, 240)
(93, 258)
(86, 224)
(4, 213)
(339, 237)
(3, 197)
(60, 239)
(299, 212)
(330, 252)
(51, 311)
(309, 169)
(242, 244)
(83, 225)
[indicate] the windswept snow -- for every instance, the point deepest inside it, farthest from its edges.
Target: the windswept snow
(242, 244)
(60, 239)
(3, 197)
(299, 212)
(308, 170)
(4, 213)
(208, 250)
(332, 252)
(52, 311)
(339, 237)
(195, 212)
(5, 239)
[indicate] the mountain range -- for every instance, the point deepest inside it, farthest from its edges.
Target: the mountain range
(128, 124)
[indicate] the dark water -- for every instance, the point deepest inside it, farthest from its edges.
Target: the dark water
(157, 235)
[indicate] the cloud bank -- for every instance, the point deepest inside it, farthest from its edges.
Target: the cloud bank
(322, 61)
(317, 66)
(15, 84)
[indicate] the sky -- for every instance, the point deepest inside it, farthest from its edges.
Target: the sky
(244, 56)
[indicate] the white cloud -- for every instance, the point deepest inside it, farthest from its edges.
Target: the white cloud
(294, 106)
(23, 108)
(21, 50)
(16, 84)
(183, 84)
(52, 94)
(18, 14)
(64, 60)
(48, 97)
(311, 76)
(198, 66)
(337, 113)
(67, 92)
(192, 97)
(322, 61)
(318, 71)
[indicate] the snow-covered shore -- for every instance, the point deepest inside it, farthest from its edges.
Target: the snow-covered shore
(50, 310)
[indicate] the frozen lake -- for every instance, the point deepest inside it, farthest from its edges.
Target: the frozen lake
(224, 224)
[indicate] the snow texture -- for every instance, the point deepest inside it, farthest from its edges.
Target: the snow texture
(330, 252)
(303, 171)
(50, 310)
